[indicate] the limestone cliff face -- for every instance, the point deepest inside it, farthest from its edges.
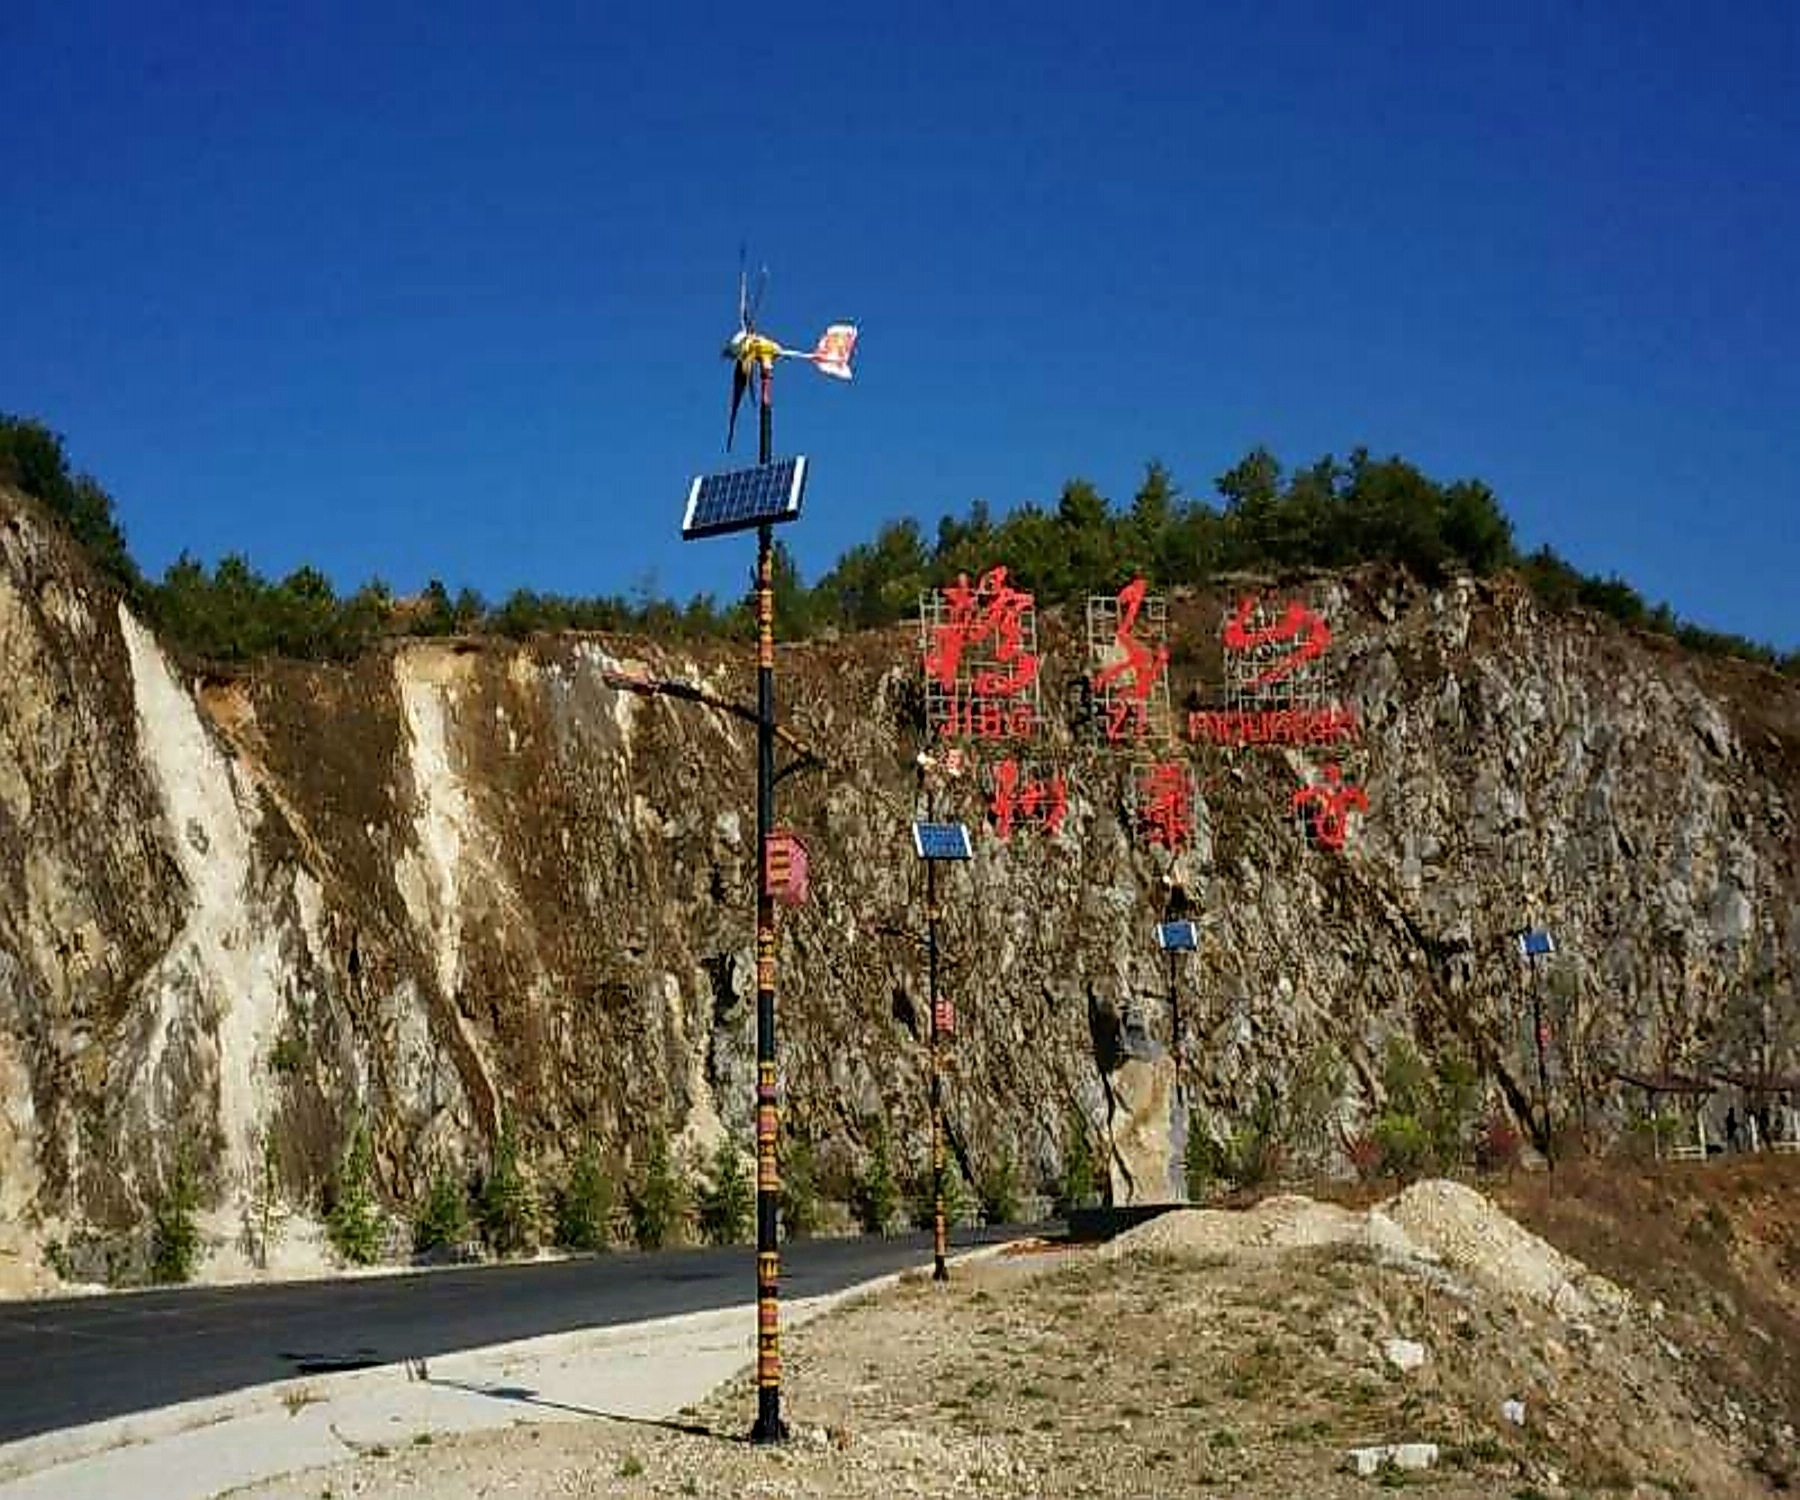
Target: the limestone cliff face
(464, 878)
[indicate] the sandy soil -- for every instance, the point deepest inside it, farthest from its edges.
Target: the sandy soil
(1207, 1353)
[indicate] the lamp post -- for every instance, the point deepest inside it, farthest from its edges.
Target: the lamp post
(1176, 938)
(717, 504)
(1534, 944)
(935, 843)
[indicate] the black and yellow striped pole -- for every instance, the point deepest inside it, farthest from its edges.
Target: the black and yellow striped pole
(938, 1235)
(934, 841)
(769, 1427)
(731, 502)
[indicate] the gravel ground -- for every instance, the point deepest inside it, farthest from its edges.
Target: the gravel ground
(1204, 1354)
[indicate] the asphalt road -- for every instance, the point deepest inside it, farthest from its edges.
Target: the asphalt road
(84, 1359)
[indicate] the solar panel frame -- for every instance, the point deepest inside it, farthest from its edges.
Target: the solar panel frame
(1177, 937)
(739, 499)
(942, 841)
(1536, 943)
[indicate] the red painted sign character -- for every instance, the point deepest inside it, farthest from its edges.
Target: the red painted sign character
(1043, 801)
(1327, 806)
(1298, 624)
(1166, 805)
(992, 610)
(1139, 666)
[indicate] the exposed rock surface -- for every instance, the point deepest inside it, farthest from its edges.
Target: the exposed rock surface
(461, 878)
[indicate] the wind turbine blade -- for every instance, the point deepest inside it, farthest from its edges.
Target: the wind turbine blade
(738, 381)
(762, 285)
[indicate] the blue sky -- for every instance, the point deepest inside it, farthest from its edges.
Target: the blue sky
(439, 290)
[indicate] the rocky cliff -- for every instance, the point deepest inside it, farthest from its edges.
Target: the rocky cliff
(465, 878)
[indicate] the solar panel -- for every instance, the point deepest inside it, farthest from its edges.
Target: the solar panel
(1536, 944)
(1177, 937)
(942, 841)
(742, 498)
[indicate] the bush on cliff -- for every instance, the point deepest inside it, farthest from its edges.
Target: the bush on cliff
(353, 1219)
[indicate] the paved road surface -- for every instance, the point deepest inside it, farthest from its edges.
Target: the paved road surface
(84, 1359)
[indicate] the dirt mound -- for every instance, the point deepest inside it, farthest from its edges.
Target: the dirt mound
(1436, 1222)
(1287, 1222)
(1468, 1233)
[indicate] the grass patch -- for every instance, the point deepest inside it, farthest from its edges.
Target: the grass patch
(297, 1399)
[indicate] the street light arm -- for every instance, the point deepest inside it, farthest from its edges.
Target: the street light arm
(663, 687)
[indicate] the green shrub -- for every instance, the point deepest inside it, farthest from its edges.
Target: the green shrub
(659, 1199)
(584, 1211)
(174, 1233)
(1405, 1078)
(876, 1196)
(1454, 1108)
(1255, 1152)
(353, 1222)
(508, 1207)
(264, 1212)
(1202, 1162)
(443, 1219)
(287, 1055)
(728, 1200)
(999, 1189)
(799, 1190)
(1404, 1143)
(1077, 1189)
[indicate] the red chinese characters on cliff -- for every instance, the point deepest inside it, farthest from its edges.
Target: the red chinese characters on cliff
(1165, 805)
(1129, 652)
(1021, 797)
(981, 664)
(1278, 649)
(1326, 805)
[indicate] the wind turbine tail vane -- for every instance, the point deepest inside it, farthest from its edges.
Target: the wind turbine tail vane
(831, 355)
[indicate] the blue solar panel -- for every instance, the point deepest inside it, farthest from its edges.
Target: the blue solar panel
(1177, 937)
(1536, 944)
(743, 498)
(942, 841)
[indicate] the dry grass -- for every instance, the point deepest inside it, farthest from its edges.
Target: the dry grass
(1717, 1244)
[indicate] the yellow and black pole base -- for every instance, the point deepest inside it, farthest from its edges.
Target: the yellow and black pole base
(769, 1427)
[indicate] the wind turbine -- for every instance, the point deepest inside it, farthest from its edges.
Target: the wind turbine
(751, 352)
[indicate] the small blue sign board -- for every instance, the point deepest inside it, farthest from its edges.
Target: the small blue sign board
(1535, 943)
(1177, 937)
(941, 841)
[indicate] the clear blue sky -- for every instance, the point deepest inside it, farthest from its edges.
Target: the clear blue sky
(439, 290)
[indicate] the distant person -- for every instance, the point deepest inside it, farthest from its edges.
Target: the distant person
(1731, 1129)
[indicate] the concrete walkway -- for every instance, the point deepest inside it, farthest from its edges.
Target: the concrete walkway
(202, 1449)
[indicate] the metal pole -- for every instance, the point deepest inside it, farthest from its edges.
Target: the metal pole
(769, 1427)
(1175, 1024)
(1537, 1034)
(938, 1271)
